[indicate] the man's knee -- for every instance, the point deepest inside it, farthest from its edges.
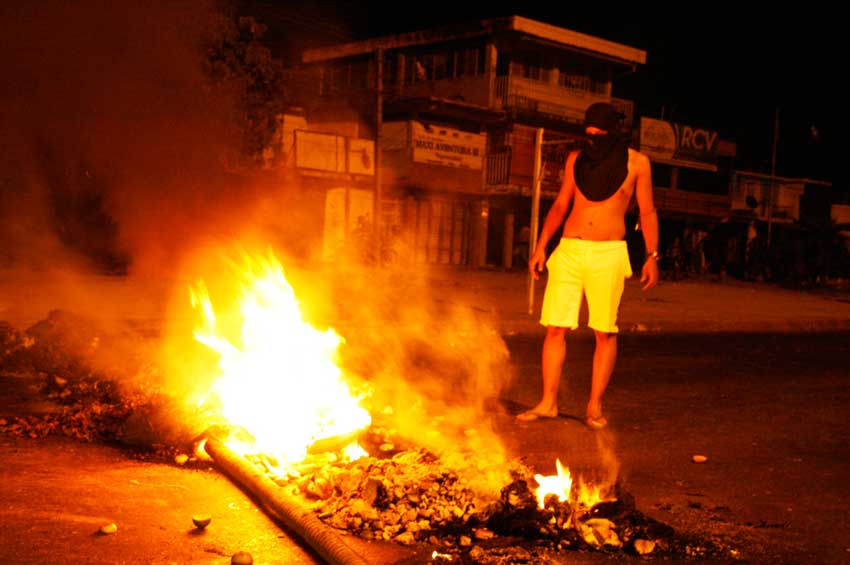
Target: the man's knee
(556, 332)
(605, 337)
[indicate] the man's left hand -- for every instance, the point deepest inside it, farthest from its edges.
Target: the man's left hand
(649, 274)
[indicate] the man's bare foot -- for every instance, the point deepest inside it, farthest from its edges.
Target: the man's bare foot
(596, 423)
(537, 413)
(594, 419)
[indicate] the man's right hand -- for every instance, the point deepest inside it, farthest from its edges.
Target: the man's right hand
(537, 263)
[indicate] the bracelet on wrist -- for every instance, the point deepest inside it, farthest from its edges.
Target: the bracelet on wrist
(653, 255)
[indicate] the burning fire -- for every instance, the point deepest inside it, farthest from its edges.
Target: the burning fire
(562, 485)
(279, 379)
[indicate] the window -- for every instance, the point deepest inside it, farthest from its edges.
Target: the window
(575, 74)
(531, 68)
(497, 140)
(347, 76)
(535, 67)
(576, 82)
(422, 67)
(442, 65)
(470, 62)
(417, 69)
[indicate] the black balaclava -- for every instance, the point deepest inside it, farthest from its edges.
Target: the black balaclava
(603, 163)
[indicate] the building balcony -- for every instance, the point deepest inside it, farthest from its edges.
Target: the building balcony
(506, 175)
(523, 95)
(690, 204)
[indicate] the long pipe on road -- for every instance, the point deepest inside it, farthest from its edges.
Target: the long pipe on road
(327, 543)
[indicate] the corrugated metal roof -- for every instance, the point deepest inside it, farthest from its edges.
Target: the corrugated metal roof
(534, 28)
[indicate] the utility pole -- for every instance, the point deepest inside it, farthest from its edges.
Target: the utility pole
(770, 198)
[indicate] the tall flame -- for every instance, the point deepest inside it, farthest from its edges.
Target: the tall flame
(279, 381)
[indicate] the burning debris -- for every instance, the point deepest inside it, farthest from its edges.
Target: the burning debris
(412, 497)
(276, 372)
(336, 460)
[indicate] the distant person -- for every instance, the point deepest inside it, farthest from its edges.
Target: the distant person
(521, 248)
(592, 257)
(673, 258)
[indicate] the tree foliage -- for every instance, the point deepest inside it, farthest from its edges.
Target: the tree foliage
(236, 60)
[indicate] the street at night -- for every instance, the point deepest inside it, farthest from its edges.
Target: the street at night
(766, 409)
(289, 281)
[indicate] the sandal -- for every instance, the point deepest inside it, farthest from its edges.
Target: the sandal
(596, 423)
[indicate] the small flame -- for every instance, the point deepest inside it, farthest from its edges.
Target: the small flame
(353, 451)
(279, 381)
(201, 452)
(562, 485)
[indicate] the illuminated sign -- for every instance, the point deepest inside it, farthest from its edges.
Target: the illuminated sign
(447, 147)
(678, 144)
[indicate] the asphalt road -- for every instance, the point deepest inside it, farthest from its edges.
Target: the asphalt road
(768, 411)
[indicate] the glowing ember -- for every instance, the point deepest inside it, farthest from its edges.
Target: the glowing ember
(353, 452)
(279, 381)
(561, 485)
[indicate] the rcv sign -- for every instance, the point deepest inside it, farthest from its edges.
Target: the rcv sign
(696, 139)
(679, 144)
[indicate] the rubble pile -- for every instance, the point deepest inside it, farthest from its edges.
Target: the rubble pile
(57, 373)
(406, 498)
(412, 497)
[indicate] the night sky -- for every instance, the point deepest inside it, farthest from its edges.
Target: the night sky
(711, 66)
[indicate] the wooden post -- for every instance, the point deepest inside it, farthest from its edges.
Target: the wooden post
(535, 209)
(770, 196)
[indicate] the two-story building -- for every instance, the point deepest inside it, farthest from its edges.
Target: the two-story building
(434, 133)
(455, 112)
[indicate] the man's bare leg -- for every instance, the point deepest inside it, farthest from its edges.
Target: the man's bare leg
(604, 359)
(554, 355)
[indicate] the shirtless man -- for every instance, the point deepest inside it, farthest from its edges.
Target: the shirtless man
(592, 257)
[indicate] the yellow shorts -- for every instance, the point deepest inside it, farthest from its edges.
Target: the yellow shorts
(597, 269)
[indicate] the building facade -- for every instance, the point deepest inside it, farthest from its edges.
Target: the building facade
(449, 117)
(454, 112)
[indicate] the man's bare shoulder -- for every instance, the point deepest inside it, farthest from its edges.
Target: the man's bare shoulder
(637, 158)
(569, 163)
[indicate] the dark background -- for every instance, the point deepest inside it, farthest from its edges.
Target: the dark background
(726, 67)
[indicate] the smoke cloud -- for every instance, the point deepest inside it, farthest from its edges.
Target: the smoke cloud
(113, 163)
(114, 145)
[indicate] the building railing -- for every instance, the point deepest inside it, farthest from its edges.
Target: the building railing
(691, 203)
(551, 99)
(499, 167)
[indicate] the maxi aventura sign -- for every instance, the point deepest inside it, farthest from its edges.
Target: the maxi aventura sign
(447, 147)
(678, 144)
